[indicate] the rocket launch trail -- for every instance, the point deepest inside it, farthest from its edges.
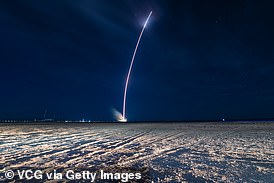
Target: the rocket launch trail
(124, 119)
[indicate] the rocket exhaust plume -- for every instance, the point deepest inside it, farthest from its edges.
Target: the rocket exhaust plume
(124, 119)
(117, 115)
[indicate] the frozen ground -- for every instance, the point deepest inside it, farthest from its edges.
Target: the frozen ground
(174, 152)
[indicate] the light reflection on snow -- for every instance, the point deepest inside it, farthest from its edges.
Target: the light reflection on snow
(178, 152)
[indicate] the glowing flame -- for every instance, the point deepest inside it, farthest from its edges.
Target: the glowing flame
(147, 19)
(118, 116)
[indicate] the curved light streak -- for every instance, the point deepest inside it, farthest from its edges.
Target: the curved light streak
(130, 68)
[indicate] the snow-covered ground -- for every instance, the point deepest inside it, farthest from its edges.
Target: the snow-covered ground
(173, 152)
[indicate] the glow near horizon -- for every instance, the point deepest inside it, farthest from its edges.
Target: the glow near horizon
(130, 68)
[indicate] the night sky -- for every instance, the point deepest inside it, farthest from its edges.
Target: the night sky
(197, 60)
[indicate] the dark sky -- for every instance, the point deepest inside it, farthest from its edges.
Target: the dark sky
(197, 59)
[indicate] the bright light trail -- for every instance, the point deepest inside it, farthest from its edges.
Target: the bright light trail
(130, 68)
